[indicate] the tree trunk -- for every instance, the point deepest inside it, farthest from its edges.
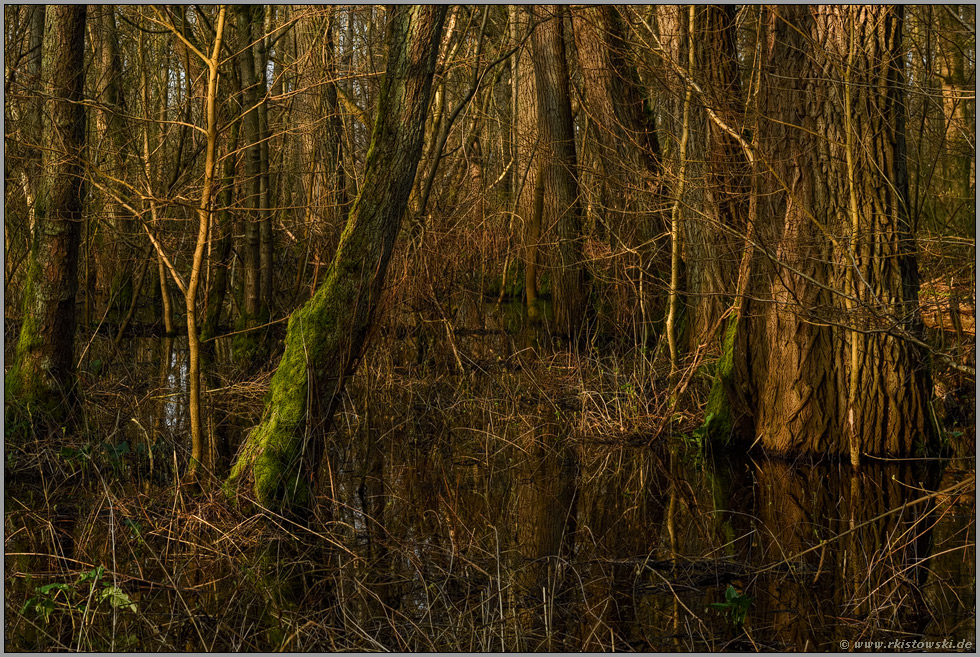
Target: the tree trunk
(41, 379)
(251, 134)
(199, 450)
(223, 231)
(114, 162)
(326, 337)
(712, 264)
(265, 181)
(558, 168)
(524, 107)
(629, 160)
(823, 367)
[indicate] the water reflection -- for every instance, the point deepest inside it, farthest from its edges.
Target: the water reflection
(471, 512)
(542, 541)
(547, 542)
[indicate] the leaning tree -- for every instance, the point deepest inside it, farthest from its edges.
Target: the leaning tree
(326, 337)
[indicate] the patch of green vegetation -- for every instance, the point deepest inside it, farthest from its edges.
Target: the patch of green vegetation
(718, 423)
(250, 346)
(513, 287)
(61, 597)
(735, 606)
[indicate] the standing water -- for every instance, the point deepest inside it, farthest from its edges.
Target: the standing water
(472, 510)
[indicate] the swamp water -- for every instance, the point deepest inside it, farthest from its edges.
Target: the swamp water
(491, 508)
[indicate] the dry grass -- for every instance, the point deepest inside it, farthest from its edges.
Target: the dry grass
(502, 498)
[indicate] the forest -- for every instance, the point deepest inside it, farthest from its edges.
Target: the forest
(489, 327)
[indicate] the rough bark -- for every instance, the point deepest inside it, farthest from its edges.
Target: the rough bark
(712, 266)
(822, 364)
(326, 337)
(628, 153)
(561, 207)
(41, 379)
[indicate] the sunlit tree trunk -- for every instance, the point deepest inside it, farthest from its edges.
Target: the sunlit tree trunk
(199, 450)
(327, 336)
(41, 379)
(824, 358)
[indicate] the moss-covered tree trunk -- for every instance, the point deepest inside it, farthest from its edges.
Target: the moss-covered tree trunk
(41, 379)
(326, 337)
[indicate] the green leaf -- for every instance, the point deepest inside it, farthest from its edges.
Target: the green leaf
(44, 609)
(117, 598)
(94, 574)
(47, 588)
(41, 607)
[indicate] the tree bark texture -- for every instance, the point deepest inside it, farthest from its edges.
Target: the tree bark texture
(326, 337)
(628, 150)
(115, 159)
(247, 17)
(42, 376)
(561, 207)
(712, 266)
(836, 281)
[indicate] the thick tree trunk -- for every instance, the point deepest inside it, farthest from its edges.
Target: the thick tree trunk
(822, 363)
(628, 156)
(41, 379)
(712, 265)
(558, 169)
(326, 337)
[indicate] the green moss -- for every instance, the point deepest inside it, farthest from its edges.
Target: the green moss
(718, 423)
(250, 346)
(29, 390)
(514, 286)
(273, 451)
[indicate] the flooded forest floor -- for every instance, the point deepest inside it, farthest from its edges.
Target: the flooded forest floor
(483, 490)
